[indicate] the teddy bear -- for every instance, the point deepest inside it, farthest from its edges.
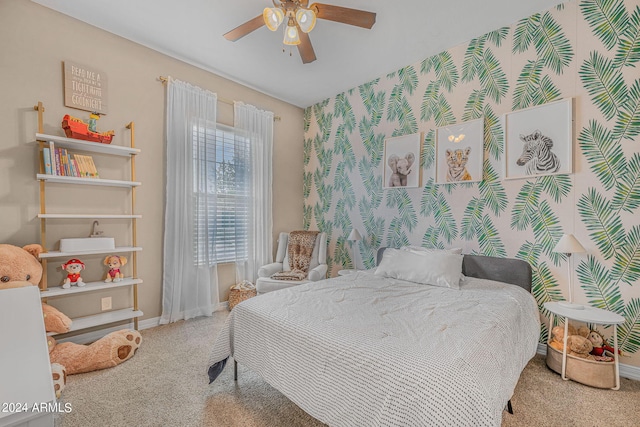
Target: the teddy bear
(114, 262)
(578, 345)
(401, 168)
(109, 351)
(20, 267)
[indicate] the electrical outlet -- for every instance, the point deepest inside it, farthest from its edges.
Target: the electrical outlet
(106, 303)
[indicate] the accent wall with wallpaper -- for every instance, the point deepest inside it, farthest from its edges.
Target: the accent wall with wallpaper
(588, 51)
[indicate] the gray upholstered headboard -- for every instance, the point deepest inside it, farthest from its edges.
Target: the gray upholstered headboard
(507, 270)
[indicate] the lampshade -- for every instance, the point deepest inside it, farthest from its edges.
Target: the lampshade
(354, 235)
(306, 19)
(568, 244)
(291, 36)
(273, 17)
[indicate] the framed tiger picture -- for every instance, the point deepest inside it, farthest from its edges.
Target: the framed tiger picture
(539, 140)
(460, 152)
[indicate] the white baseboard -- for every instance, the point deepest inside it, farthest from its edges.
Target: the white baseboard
(626, 371)
(90, 337)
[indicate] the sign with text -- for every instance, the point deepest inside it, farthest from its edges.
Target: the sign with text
(85, 88)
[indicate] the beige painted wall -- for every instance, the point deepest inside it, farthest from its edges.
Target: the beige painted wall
(35, 42)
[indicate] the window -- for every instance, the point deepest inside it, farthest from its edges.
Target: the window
(221, 184)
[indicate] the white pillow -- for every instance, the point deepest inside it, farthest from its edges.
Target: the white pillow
(427, 268)
(431, 250)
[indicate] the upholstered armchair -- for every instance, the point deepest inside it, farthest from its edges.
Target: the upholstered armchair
(317, 267)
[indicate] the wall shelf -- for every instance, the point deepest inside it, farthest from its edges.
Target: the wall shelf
(86, 181)
(57, 291)
(88, 146)
(101, 319)
(117, 249)
(88, 216)
(128, 154)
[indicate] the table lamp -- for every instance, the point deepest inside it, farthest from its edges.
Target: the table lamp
(569, 245)
(354, 236)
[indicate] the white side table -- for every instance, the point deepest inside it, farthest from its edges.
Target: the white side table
(588, 315)
(347, 271)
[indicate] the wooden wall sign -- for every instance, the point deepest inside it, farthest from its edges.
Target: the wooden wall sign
(85, 88)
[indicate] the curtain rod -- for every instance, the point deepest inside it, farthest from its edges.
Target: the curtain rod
(164, 80)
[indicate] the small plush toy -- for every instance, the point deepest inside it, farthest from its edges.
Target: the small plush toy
(577, 345)
(401, 168)
(600, 345)
(114, 262)
(73, 267)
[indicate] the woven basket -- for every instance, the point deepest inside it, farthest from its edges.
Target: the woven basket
(241, 292)
(588, 372)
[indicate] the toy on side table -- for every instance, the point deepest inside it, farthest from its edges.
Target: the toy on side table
(577, 343)
(73, 267)
(602, 351)
(114, 262)
(20, 267)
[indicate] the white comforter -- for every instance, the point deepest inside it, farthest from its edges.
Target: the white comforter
(362, 350)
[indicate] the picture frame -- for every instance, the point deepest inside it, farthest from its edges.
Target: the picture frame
(401, 161)
(460, 152)
(539, 140)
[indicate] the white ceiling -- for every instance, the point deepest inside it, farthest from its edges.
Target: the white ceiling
(405, 32)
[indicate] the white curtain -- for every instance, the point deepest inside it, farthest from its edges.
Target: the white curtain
(189, 282)
(257, 126)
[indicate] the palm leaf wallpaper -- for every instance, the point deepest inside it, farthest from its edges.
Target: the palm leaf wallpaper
(588, 50)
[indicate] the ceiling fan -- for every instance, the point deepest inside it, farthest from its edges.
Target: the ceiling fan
(299, 19)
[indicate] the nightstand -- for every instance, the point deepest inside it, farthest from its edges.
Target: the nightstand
(588, 315)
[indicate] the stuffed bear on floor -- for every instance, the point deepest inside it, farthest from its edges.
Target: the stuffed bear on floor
(20, 267)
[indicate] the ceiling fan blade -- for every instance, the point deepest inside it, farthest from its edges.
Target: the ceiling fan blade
(306, 50)
(244, 29)
(359, 18)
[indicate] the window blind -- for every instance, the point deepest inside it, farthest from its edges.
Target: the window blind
(221, 181)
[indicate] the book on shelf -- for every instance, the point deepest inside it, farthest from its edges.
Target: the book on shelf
(58, 161)
(46, 158)
(53, 153)
(84, 170)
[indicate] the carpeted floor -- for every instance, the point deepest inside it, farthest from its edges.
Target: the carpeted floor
(165, 384)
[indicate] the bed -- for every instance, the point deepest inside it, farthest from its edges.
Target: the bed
(362, 349)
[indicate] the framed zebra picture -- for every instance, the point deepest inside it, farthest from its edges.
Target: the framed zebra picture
(539, 140)
(460, 152)
(402, 161)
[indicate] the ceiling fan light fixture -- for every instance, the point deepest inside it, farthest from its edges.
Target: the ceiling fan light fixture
(306, 19)
(291, 36)
(273, 17)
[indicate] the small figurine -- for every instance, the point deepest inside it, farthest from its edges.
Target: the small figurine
(114, 262)
(73, 267)
(93, 122)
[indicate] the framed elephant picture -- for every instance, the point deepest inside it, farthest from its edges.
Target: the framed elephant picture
(539, 140)
(402, 161)
(460, 152)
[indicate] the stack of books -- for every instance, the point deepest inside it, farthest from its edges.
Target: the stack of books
(57, 161)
